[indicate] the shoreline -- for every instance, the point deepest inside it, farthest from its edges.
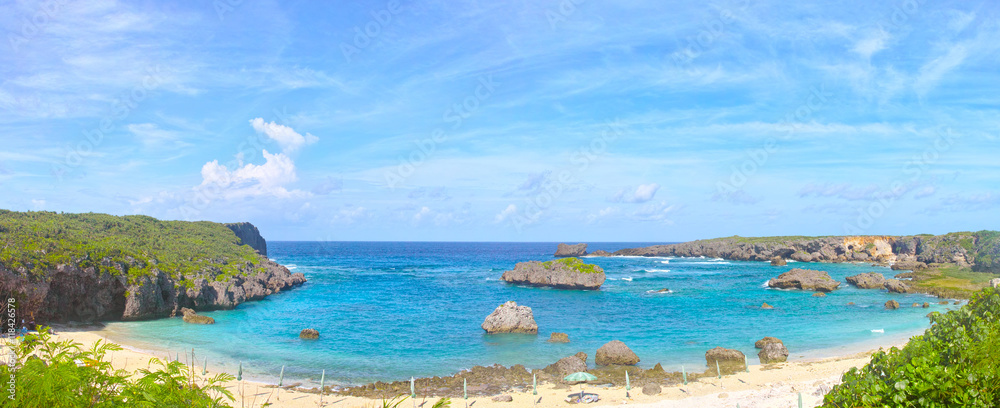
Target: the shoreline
(763, 386)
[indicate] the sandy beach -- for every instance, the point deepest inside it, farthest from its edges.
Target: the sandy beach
(777, 385)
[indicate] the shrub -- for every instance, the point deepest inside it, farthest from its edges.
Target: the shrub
(60, 374)
(953, 364)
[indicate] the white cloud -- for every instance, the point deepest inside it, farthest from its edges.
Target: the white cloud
(932, 72)
(38, 205)
(286, 137)
(422, 214)
(505, 214)
(603, 213)
(150, 134)
(655, 212)
(251, 180)
(350, 215)
(871, 45)
(641, 194)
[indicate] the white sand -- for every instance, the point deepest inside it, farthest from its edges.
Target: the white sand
(772, 386)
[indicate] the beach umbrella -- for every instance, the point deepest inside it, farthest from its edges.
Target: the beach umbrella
(281, 377)
(580, 377)
(204, 369)
(413, 388)
(322, 384)
(465, 389)
(628, 384)
(534, 384)
(239, 374)
(685, 374)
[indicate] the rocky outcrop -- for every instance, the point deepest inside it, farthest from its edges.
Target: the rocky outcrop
(249, 235)
(309, 334)
(191, 317)
(599, 252)
(819, 294)
(568, 273)
(765, 341)
(892, 305)
(566, 366)
(778, 261)
(615, 353)
(730, 361)
(870, 280)
(558, 338)
(995, 283)
(896, 286)
(908, 266)
(73, 293)
(766, 306)
(510, 318)
(773, 353)
(564, 250)
(804, 279)
(582, 356)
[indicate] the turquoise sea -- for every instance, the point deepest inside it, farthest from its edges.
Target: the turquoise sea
(391, 310)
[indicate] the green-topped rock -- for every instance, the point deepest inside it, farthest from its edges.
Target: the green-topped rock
(566, 273)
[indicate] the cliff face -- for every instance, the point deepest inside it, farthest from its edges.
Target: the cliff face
(964, 249)
(249, 235)
(72, 293)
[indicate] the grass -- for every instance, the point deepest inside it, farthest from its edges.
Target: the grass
(575, 264)
(950, 280)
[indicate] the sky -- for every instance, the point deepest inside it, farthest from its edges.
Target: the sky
(582, 121)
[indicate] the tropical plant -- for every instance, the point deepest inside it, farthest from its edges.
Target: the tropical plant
(53, 373)
(953, 364)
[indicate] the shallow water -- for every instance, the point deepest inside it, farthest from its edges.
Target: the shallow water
(388, 311)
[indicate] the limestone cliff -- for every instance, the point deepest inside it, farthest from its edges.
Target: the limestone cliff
(249, 235)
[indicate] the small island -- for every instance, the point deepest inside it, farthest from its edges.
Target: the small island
(566, 273)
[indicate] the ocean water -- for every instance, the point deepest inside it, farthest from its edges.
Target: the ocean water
(391, 310)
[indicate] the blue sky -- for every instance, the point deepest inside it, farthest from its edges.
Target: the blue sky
(507, 121)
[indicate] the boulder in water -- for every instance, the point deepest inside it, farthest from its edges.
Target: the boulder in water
(804, 279)
(558, 338)
(766, 306)
(566, 273)
(778, 261)
(870, 280)
(191, 317)
(564, 250)
(896, 286)
(892, 304)
(819, 294)
(615, 353)
(510, 318)
(309, 334)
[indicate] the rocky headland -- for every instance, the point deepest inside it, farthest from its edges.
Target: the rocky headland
(566, 250)
(566, 273)
(94, 267)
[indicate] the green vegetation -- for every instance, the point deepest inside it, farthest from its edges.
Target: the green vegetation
(949, 281)
(987, 251)
(61, 374)
(575, 264)
(953, 364)
(36, 242)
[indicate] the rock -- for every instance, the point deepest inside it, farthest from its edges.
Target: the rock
(651, 389)
(892, 304)
(804, 279)
(896, 286)
(309, 334)
(766, 306)
(778, 261)
(802, 256)
(582, 356)
(995, 283)
(958, 302)
(191, 317)
(566, 366)
(943, 302)
(249, 235)
(615, 353)
(773, 353)
(558, 338)
(503, 398)
(663, 290)
(926, 305)
(850, 303)
(730, 361)
(819, 294)
(566, 273)
(599, 252)
(908, 266)
(564, 250)
(765, 341)
(870, 280)
(916, 304)
(510, 318)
